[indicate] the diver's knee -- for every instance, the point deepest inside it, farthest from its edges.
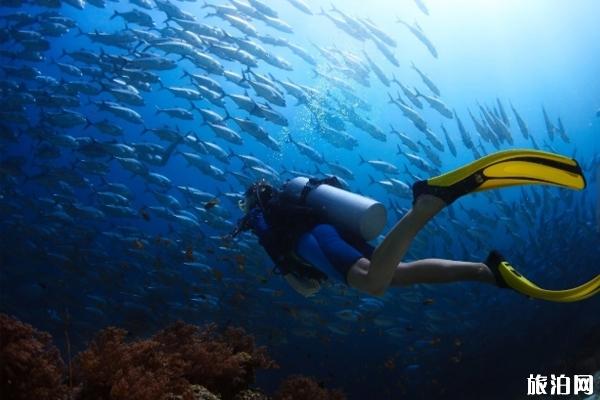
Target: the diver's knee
(358, 277)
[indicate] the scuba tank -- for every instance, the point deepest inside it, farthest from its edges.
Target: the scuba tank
(345, 210)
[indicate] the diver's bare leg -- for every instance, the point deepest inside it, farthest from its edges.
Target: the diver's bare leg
(435, 270)
(375, 276)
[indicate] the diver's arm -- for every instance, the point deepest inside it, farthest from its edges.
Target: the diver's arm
(268, 238)
(306, 287)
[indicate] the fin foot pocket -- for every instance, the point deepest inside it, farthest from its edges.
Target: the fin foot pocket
(503, 169)
(422, 187)
(493, 262)
(519, 283)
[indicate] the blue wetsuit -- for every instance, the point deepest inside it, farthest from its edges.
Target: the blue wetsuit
(286, 229)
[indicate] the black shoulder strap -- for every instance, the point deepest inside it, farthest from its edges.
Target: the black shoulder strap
(314, 182)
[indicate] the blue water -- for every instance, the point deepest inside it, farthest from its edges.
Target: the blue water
(528, 54)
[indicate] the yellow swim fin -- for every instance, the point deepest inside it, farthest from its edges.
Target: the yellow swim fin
(508, 276)
(502, 169)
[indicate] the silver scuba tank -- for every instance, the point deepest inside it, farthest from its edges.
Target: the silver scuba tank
(345, 210)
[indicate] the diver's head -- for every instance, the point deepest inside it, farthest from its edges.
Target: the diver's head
(257, 195)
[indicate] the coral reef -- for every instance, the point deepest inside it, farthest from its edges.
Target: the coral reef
(249, 394)
(198, 392)
(181, 362)
(298, 387)
(111, 368)
(169, 362)
(224, 363)
(30, 365)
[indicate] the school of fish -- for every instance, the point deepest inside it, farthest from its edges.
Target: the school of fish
(125, 152)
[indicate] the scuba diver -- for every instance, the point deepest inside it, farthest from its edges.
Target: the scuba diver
(312, 228)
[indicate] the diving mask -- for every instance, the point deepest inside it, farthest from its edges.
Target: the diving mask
(257, 194)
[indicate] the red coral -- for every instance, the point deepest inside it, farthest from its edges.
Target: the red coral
(30, 365)
(225, 364)
(298, 387)
(112, 368)
(169, 362)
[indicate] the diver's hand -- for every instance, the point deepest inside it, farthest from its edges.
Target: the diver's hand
(306, 287)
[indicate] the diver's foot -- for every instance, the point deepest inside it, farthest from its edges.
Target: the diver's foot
(485, 274)
(493, 261)
(422, 188)
(429, 203)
